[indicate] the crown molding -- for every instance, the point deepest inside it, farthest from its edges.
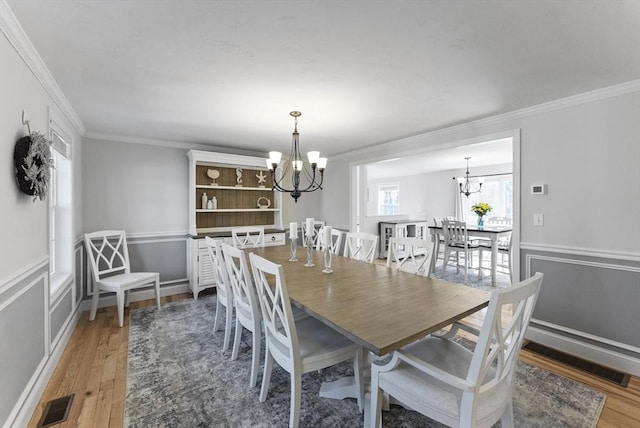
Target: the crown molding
(15, 34)
(574, 100)
(170, 144)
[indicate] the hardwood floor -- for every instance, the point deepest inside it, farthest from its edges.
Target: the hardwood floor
(94, 368)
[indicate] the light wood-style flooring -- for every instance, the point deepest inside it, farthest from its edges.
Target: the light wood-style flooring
(94, 368)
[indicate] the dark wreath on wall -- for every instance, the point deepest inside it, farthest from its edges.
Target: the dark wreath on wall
(32, 161)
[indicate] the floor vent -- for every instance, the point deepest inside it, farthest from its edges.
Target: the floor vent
(610, 375)
(56, 411)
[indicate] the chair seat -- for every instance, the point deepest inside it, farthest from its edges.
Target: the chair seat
(319, 342)
(125, 281)
(409, 384)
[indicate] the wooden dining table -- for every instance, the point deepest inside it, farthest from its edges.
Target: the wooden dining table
(492, 233)
(381, 309)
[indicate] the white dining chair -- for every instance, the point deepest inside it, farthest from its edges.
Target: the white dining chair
(456, 240)
(224, 294)
(336, 241)
(360, 246)
(317, 226)
(111, 271)
(300, 346)
(246, 305)
(505, 246)
(410, 255)
(247, 237)
(453, 385)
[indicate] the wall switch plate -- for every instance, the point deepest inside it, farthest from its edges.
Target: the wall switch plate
(538, 219)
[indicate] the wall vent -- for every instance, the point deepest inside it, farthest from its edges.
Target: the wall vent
(56, 411)
(610, 375)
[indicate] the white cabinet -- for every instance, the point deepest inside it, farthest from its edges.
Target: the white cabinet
(242, 188)
(400, 229)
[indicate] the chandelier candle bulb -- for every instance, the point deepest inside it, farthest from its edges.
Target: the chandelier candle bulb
(293, 230)
(322, 163)
(313, 157)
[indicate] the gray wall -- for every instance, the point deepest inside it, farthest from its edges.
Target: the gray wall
(586, 150)
(33, 324)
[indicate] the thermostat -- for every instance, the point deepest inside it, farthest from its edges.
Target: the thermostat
(539, 189)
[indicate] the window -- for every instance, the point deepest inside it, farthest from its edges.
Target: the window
(388, 198)
(497, 191)
(60, 209)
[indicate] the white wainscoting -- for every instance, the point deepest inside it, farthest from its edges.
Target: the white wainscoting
(568, 339)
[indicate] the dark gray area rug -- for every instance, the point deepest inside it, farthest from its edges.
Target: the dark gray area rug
(178, 376)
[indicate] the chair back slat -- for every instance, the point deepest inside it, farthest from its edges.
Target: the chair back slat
(360, 246)
(336, 240)
(214, 249)
(410, 255)
(244, 294)
(498, 347)
(108, 253)
(280, 330)
(248, 237)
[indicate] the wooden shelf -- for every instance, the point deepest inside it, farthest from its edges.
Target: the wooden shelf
(238, 210)
(205, 186)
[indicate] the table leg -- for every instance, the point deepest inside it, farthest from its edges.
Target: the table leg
(494, 259)
(435, 238)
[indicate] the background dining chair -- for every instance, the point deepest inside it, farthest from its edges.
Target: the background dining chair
(410, 255)
(107, 250)
(247, 237)
(439, 243)
(246, 304)
(298, 346)
(504, 252)
(317, 225)
(224, 294)
(453, 385)
(336, 241)
(456, 240)
(360, 246)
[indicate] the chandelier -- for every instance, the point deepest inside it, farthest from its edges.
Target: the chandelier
(465, 184)
(296, 167)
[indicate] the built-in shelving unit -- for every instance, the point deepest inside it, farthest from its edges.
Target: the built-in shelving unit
(241, 197)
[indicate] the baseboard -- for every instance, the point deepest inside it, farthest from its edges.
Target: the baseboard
(587, 351)
(30, 403)
(137, 295)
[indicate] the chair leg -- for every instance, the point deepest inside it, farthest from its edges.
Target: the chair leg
(228, 326)
(507, 418)
(357, 374)
(296, 398)
(447, 254)
(236, 340)
(120, 302)
(157, 287)
(375, 418)
(266, 375)
(480, 264)
(255, 358)
(218, 315)
(94, 303)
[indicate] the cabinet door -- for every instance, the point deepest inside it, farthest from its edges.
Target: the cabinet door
(206, 273)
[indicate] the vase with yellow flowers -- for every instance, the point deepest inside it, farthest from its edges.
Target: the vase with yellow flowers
(481, 209)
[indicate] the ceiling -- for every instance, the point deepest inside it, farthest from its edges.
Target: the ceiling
(488, 153)
(227, 73)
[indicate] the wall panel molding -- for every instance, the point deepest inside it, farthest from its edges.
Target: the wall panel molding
(579, 251)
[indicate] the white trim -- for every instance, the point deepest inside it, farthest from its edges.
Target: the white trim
(157, 234)
(417, 140)
(28, 402)
(100, 136)
(592, 337)
(56, 340)
(612, 266)
(155, 241)
(177, 286)
(17, 37)
(43, 277)
(587, 351)
(20, 276)
(60, 289)
(577, 251)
